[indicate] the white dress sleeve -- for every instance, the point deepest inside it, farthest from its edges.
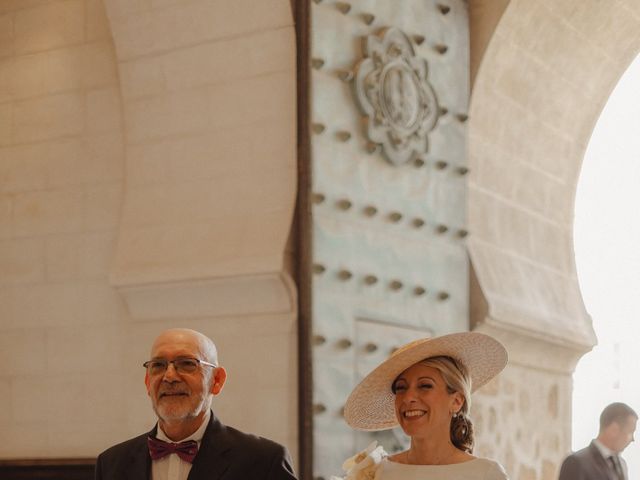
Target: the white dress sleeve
(496, 472)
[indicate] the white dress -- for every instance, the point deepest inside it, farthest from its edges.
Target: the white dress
(476, 469)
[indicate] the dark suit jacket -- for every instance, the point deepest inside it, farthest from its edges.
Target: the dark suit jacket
(588, 464)
(225, 454)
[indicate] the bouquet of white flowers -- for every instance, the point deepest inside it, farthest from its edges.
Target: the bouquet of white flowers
(364, 465)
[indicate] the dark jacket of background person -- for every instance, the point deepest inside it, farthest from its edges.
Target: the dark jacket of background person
(588, 464)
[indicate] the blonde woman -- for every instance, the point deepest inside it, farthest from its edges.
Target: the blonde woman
(425, 387)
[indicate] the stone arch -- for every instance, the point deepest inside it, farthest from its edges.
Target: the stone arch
(543, 72)
(208, 92)
(540, 86)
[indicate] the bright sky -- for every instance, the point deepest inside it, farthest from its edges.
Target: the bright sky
(607, 247)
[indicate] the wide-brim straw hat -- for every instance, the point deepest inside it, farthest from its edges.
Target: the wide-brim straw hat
(371, 404)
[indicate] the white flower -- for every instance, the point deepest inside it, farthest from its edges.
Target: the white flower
(363, 465)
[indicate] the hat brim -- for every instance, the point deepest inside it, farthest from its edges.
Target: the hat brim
(371, 405)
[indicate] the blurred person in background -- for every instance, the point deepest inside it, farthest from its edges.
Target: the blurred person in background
(601, 460)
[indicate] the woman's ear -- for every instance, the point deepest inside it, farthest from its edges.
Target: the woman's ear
(457, 402)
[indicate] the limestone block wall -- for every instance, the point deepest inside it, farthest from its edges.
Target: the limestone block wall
(61, 182)
(507, 412)
(209, 89)
(523, 417)
(147, 161)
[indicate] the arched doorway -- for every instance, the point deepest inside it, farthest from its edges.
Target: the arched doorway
(540, 85)
(606, 234)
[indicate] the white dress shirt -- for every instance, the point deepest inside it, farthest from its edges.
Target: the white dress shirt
(172, 467)
(607, 452)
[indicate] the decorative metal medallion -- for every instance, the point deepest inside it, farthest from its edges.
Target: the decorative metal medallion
(392, 89)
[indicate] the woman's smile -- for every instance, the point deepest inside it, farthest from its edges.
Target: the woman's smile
(414, 413)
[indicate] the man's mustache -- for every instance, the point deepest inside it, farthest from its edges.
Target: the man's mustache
(173, 391)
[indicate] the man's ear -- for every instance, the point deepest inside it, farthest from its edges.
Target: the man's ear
(219, 377)
(147, 382)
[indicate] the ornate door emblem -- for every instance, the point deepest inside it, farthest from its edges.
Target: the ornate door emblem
(392, 89)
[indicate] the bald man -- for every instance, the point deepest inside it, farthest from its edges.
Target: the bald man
(189, 442)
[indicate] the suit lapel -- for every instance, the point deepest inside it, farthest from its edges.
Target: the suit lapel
(212, 459)
(139, 464)
(601, 462)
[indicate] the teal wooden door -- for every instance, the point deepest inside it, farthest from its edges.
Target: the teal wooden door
(389, 101)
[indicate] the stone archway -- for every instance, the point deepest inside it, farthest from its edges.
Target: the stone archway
(543, 72)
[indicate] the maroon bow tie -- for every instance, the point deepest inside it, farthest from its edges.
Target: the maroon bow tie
(185, 450)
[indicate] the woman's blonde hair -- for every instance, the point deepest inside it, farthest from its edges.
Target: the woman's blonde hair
(456, 379)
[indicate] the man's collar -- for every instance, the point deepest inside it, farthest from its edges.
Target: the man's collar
(605, 451)
(197, 435)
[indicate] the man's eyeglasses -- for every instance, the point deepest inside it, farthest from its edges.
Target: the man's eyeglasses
(182, 365)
